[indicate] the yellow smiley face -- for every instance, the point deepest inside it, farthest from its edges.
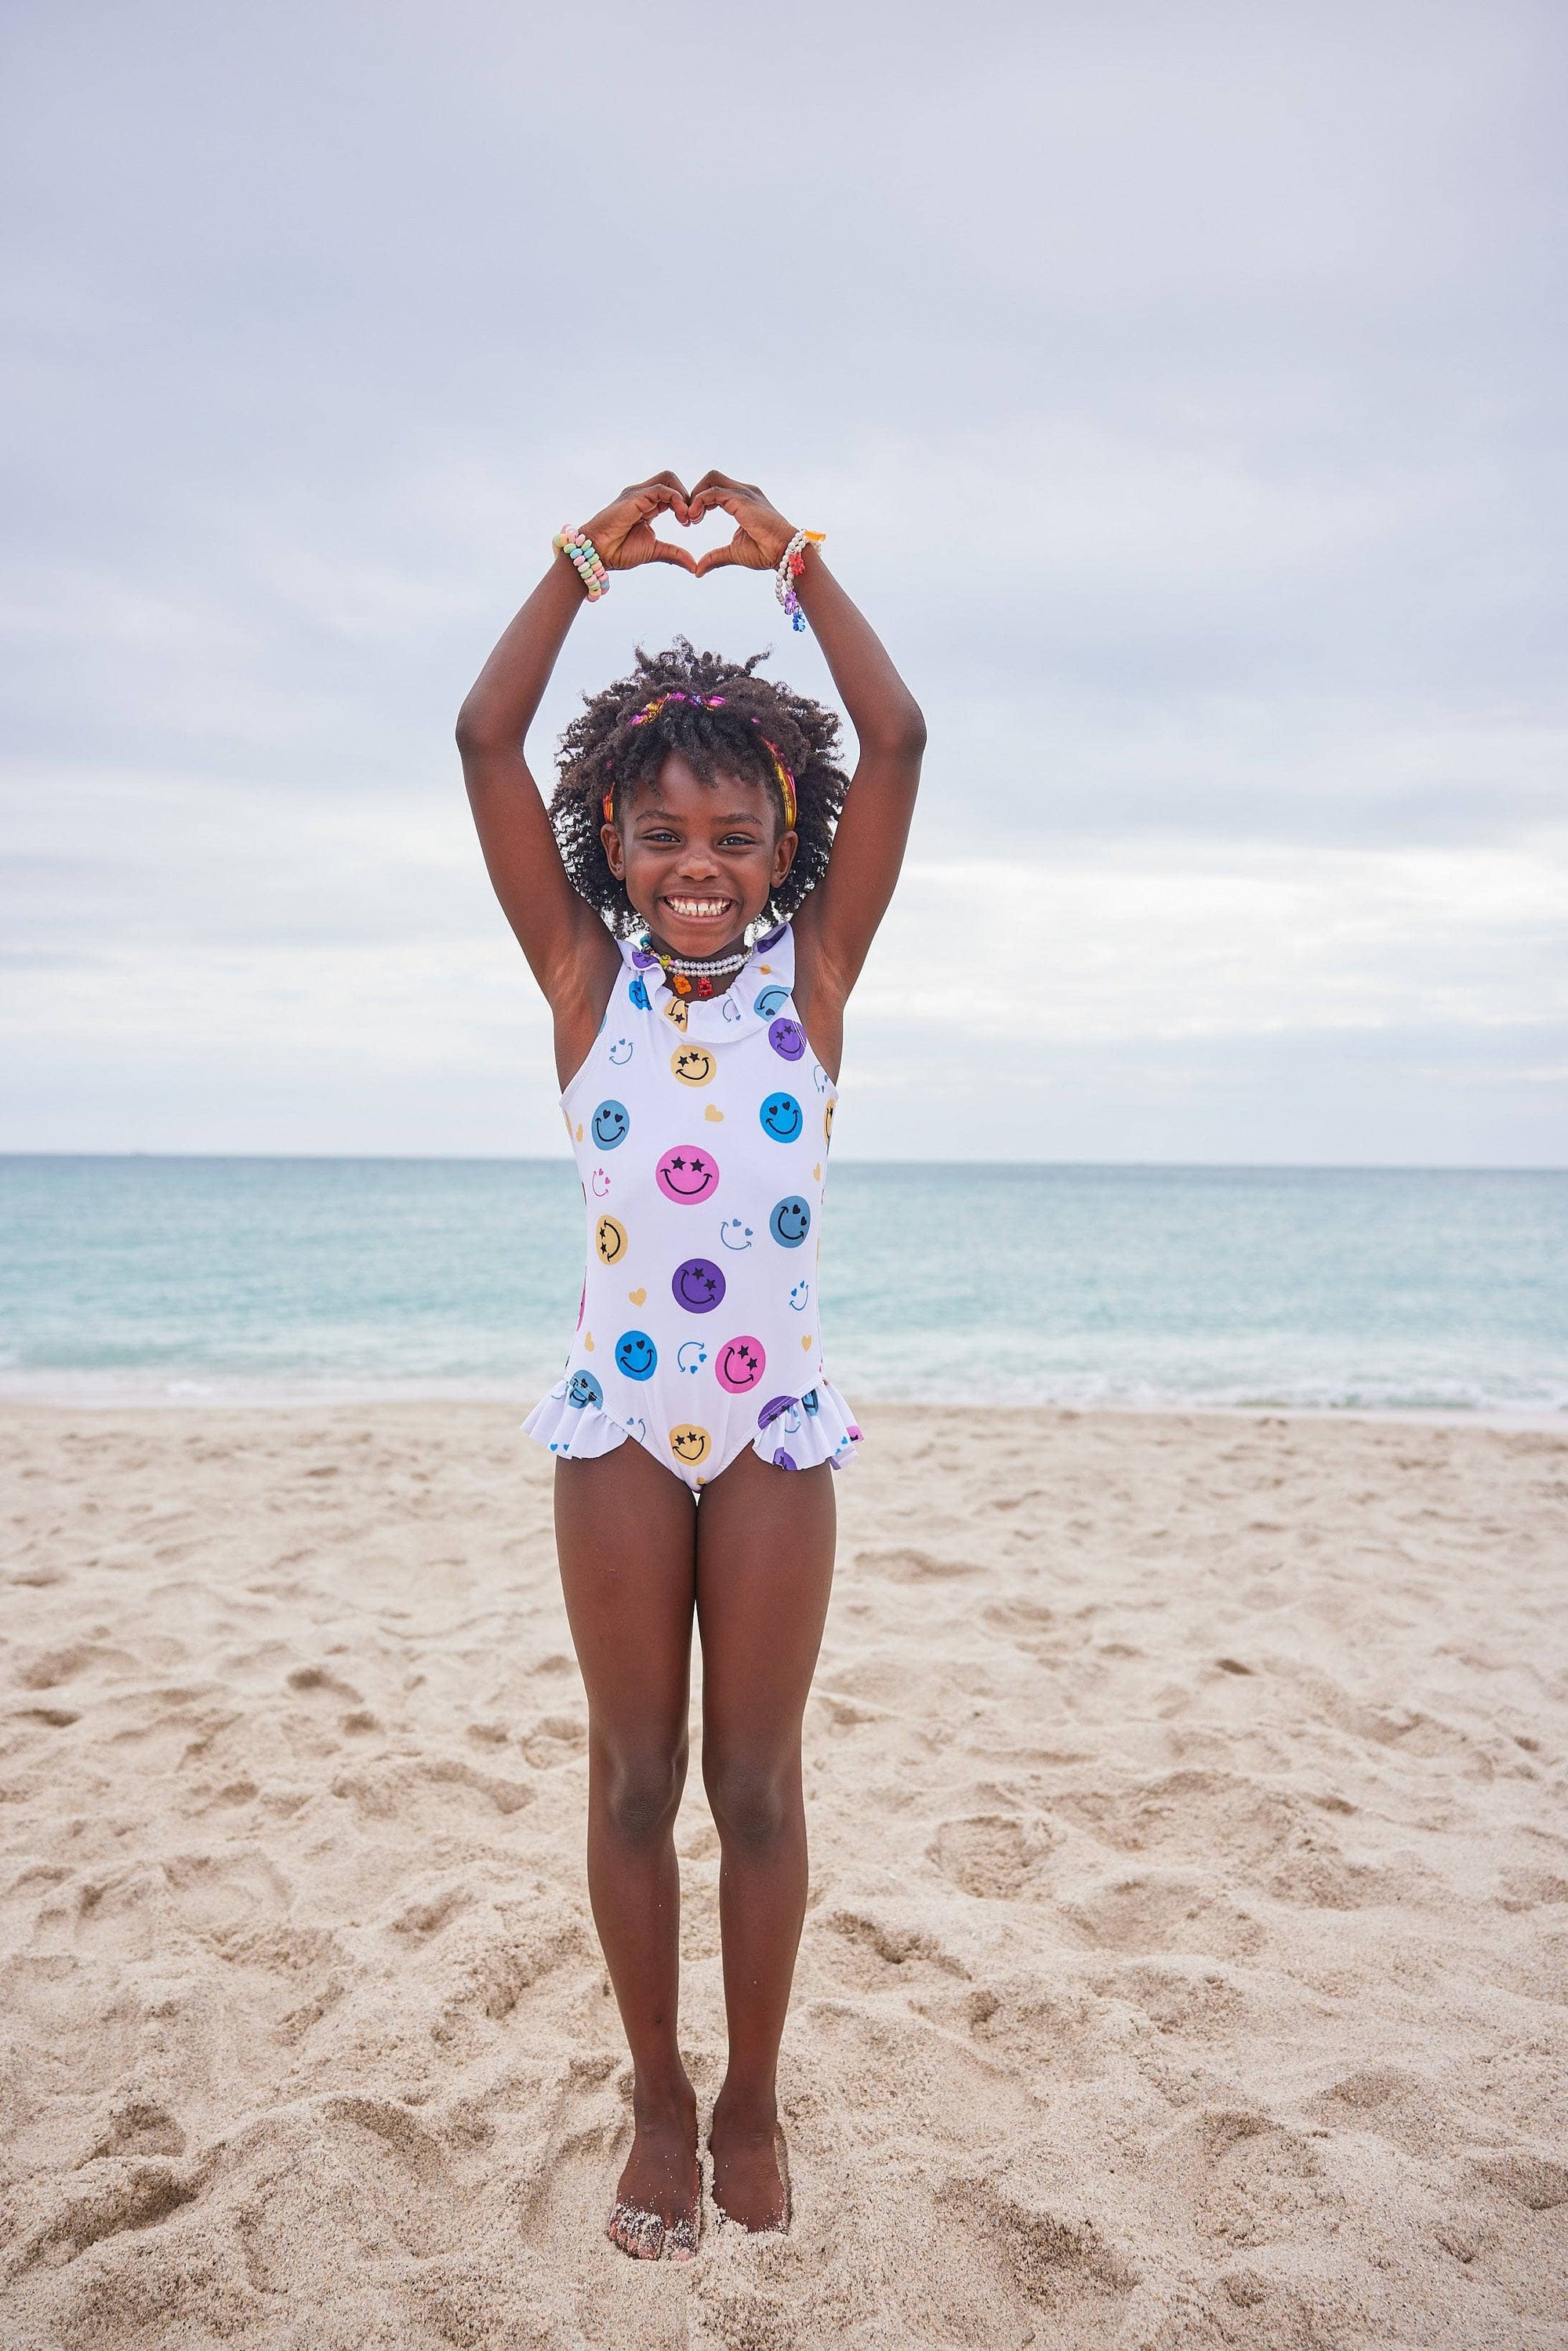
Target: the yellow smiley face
(828, 1123)
(690, 1445)
(676, 1011)
(610, 1240)
(692, 1064)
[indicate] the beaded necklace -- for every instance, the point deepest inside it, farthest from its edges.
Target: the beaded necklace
(682, 970)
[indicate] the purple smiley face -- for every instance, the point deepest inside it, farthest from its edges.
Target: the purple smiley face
(788, 1040)
(697, 1285)
(774, 1409)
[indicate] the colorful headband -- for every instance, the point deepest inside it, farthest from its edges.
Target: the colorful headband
(651, 709)
(786, 782)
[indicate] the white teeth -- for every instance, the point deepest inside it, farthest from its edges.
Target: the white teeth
(694, 909)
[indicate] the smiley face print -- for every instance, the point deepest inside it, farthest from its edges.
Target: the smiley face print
(610, 1240)
(583, 1389)
(827, 1126)
(790, 1221)
(675, 1012)
(781, 1117)
(770, 1000)
(687, 1174)
(690, 1445)
(621, 1052)
(637, 994)
(694, 1065)
(612, 1124)
(774, 1409)
(636, 1355)
(740, 1363)
(735, 1233)
(788, 1040)
(697, 1285)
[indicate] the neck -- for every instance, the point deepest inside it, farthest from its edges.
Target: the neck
(726, 954)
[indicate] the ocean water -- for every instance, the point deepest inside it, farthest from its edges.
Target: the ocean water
(183, 1279)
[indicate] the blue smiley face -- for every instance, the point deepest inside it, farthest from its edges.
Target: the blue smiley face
(636, 1355)
(790, 1222)
(637, 994)
(612, 1124)
(583, 1389)
(770, 1000)
(621, 1052)
(781, 1118)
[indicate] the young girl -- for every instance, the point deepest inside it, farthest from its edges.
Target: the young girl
(696, 906)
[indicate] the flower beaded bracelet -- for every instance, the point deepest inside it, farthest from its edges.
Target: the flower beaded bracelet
(585, 561)
(791, 563)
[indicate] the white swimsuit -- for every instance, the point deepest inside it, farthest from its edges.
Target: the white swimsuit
(701, 1129)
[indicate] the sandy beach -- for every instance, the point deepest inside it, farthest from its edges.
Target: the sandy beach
(1189, 1940)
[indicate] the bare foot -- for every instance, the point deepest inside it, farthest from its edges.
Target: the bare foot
(751, 2166)
(658, 2198)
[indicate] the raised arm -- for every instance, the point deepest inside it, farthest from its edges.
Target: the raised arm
(835, 928)
(571, 953)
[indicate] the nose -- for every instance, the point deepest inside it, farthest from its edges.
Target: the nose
(698, 862)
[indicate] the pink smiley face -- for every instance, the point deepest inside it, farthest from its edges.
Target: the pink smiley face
(741, 1363)
(687, 1174)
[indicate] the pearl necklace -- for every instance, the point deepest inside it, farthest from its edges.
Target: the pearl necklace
(681, 970)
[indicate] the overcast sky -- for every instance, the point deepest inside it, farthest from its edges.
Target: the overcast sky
(1181, 387)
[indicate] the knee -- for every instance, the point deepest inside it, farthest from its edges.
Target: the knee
(754, 1801)
(641, 1794)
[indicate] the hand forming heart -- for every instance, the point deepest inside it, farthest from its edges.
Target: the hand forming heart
(624, 535)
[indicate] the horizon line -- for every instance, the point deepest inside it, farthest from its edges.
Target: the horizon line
(562, 1159)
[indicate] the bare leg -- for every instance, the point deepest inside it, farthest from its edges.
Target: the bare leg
(764, 1569)
(626, 1534)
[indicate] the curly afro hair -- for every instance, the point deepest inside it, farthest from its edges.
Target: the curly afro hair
(604, 751)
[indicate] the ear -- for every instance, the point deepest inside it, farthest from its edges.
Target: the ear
(610, 834)
(784, 849)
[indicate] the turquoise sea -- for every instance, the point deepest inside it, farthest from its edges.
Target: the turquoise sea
(183, 1279)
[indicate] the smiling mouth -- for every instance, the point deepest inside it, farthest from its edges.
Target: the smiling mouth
(699, 910)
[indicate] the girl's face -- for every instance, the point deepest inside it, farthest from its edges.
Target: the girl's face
(699, 860)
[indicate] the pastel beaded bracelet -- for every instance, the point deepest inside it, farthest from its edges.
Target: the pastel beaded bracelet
(791, 563)
(584, 556)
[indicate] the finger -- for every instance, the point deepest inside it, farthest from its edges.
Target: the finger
(714, 490)
(717, 557)
(715, 502)
(664, 552)
(661, 496)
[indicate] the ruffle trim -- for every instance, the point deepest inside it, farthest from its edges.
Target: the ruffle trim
(801, 1433)
(804, 1431)
(577, 1432)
